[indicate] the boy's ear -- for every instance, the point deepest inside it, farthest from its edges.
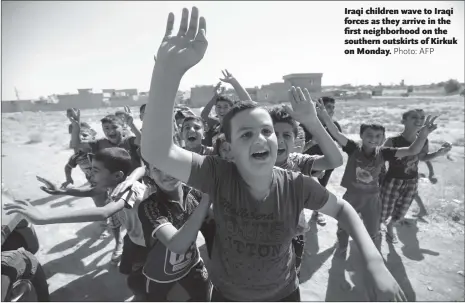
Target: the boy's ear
(119, 175)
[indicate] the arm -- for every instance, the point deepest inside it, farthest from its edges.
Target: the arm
(175, 56)
(240, 91)
(87, 191)
(413, 149)
(136, 175)
(179, 241)
(332, 128)
(136, 132)
(208, 108)
(442, 151)
(430, 169)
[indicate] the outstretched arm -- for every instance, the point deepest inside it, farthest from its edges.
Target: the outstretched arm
(205, 114)
(417, 145)
(332, 128)
(442, 151)
(240, 91)
(175, 56)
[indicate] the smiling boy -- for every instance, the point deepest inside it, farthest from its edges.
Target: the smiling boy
(256, 206)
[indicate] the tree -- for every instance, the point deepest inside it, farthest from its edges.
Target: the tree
(409, 89)
(451, 86)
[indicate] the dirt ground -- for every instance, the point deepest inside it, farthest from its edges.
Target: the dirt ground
(428, 261)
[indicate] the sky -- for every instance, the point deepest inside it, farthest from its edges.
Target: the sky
(56, 47)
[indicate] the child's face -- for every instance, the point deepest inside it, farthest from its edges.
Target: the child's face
(329, 106)
(113, 132)
(86, 135)
(102, 176)
(192, 133)
(163, 180)
(225, 151)
(222, 108)
(414, 120)
(253, 141)
(372, 138)
(286, 138)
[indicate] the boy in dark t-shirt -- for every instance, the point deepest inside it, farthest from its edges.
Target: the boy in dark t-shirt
(363, 170)
(312, 148)
(400, 184)
(249, 194)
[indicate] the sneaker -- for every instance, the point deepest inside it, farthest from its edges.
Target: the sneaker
(319, 218)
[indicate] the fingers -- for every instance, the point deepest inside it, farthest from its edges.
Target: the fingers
(307, 95)
(228, 73)
(48, 191)
(296, 96)
(202, 32)
(300, 93)
(288, 109)
(169, 27)
(193, 24)
(45, 181)
(11, 206)
(183, 26)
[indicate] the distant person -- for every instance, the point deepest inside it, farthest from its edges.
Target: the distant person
(400, 185)
(110, 166)
(312, 148)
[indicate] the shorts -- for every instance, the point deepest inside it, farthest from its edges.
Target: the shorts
(132, 262)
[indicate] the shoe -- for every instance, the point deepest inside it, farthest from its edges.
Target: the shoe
(116, 255)
(320, 220)
(390, 235)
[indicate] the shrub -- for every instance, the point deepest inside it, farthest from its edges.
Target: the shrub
(451, 86)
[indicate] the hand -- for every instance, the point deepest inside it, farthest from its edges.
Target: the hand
(187, 48)
(382, 286)
(121, 188)
(66, 183)
(303, 108)
(49, 187)
(217, 90)
(129, 118)
(321, 111)
(445, 148)
(433, 179)
(228, 77)
(428, 127)
(74, 116)
(26, 209)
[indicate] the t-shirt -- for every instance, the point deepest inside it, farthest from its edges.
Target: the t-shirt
(252, 257)
(362, 172)
(163, 265)
(81, 158)
(128, 216)
(406, 167)
(128, 143)
(315, 149)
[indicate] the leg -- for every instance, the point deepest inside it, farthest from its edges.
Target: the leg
(355, 200)
(298, 243)
(423, 212)
(388, 196)
(217, 296)
(157, 292)
(196, 283)
(408, 193)
(323, 182)
(371, 213)
(116, 227)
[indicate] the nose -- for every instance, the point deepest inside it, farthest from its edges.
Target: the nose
(260, 139)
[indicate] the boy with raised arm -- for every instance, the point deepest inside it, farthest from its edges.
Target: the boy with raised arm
(109, 167)
(256, 205)
(400, 184)
(363, 169)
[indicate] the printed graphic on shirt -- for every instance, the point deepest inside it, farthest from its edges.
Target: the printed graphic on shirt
(175, 266)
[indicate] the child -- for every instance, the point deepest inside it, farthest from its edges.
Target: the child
(312, 148)
(222, 149)
(401, 181)
(256, 206)
(222, 105)
(171, 218)
(192, 132)
(123, 115)
(363, 169)
(109, 168)
(285, 128)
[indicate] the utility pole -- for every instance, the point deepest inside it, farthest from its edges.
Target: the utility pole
(17, 93)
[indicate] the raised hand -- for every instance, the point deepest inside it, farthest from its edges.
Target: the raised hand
(321, 111)
(24, 208)
(129, 118)
(303, 108)
(49, 187)
(74, 115)
(228, 77)
(428, 127)
(187, 48)
(217, 90)
(445, 148)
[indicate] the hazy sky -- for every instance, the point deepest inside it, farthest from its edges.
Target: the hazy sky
(57, 47)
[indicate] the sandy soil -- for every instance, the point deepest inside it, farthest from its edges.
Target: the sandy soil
(428, 262)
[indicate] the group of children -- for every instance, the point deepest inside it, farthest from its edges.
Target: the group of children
(237, 179)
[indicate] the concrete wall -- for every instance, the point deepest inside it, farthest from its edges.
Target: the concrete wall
(273, 93)
(312, 82)
(201, 95)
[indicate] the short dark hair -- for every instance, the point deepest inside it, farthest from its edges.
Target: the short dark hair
(114, 159)
(373, 126)
(113, 119)
(280, 115)
(193, 118)
(407, 113)
(142, 108)
(326, 100)
(224, 98)
(238, 107)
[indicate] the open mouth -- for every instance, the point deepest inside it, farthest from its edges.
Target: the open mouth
(281, 151)
(191, 138)
(261, 155)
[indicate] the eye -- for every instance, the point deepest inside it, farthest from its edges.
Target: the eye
(287, 136)
(267, 132)
(247, 135)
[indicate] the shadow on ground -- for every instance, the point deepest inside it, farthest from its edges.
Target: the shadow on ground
(407, 234)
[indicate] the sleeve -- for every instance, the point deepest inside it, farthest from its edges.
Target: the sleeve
(70, 128)
(388, 153)
(151, 219)
(304, 162)
(350, 147)
(338, 126)
(206, 172)
(313, 195)
(135, 193)
(72, 162)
